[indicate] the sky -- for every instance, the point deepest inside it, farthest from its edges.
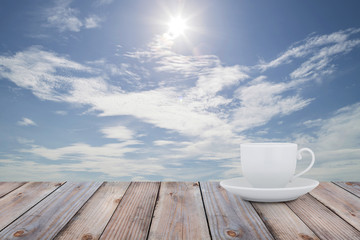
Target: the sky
(168, 90)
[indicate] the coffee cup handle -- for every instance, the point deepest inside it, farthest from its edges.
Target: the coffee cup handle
(299, 157)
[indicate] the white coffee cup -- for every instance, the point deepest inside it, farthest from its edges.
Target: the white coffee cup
(271, 165)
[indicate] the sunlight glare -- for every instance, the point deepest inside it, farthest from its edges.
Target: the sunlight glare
(177, 27)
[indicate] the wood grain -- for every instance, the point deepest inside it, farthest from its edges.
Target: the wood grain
(321, 220)
(353, 187)
(179, 213)
(132, 218)
(183, 211)
(6, 187)
(343, 203)
(229, 216)
(92, 218)
(22, 199)
(282, 222)
(48, 217)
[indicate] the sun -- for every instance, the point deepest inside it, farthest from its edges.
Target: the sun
(177, 27)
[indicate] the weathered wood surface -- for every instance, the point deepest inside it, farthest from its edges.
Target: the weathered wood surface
(92, 218)
(22, 199)
(6, 187)
(353, 187)
(132, 218)
(231, 217)
(343, 203)
(321, 220)
(179, 213)
(172, 210)
(283, 222)
(49, 216)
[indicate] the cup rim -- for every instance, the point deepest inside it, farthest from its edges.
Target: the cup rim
(267, 144)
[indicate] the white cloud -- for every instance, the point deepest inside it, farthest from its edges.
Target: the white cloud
(61, 112)
(125, 70)
(336, 144)
(15, 170)
(26, 122)
(159, 51)
(262, 101)
(92, 21)
(342, 131)
(106, 168)
(102, 2)
(81, 150)
(120, 133)
(198, 111)
(219, 78)
(40, 71)
(186, 65)
(313, 123)
(23, 140)
(310, 46)
(208, 108)
(259, 79)
(37, 70)
(318, 52)
(319, 64)
(164, 142)
(344, 170)
(159, 107)
(65, 18)
(171, 142)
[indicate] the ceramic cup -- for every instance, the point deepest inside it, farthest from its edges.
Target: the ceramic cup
(271, 165)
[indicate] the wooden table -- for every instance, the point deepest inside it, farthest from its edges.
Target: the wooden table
(172, 210)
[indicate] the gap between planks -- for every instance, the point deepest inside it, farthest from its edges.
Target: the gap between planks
(48, 217)
(305, 219)
(277, 217)
(206, 215)
(19, 201)
(179, 213)
(9, 187)
(229, 216)
(92, 218)
(323, 221)
(352, 187)
(132, 217)
(114, 211)
(156, 202)
(342, 202)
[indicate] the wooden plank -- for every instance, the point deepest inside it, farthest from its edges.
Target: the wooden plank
(179, 213)
(321, 220)
(132, 218)
(353, 187)
(22, 199)
(92, 218)
(6, 187)
(282, 222)
(343, 203)
(48, 217)
(229, 216)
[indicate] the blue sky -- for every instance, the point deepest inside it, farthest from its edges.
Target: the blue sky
(107, 90)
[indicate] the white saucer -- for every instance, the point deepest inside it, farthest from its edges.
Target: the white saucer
(293, 190)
